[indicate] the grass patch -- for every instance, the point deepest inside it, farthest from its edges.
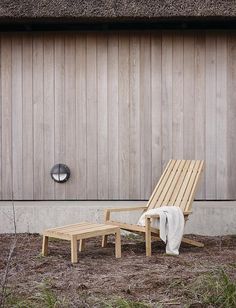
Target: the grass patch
(14, 301)
(45, 298)
(216, 289)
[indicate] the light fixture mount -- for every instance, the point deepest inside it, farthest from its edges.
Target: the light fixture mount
(60, 173)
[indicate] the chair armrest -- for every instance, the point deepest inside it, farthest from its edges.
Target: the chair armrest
(107, 212)
(187, 213)
(126, 209)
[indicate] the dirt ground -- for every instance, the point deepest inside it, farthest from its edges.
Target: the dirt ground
(100, 280)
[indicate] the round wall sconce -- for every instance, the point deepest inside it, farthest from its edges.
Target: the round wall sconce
(60, 173)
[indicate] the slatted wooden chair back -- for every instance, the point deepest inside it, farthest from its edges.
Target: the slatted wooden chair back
(177, 184)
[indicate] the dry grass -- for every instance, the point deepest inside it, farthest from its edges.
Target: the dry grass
(99, 280)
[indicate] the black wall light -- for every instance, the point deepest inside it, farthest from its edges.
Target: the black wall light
(60, 173)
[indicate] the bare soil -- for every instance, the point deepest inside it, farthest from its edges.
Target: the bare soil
(101, 280)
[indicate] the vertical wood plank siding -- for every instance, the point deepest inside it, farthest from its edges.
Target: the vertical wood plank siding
(115, 107)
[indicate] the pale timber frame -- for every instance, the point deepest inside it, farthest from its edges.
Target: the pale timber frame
(176, 187)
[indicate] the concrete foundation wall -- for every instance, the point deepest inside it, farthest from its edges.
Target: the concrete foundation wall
(209, 217)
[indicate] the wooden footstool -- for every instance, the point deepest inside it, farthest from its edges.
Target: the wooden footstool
(80, 232)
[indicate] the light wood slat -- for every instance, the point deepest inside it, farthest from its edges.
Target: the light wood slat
(130, 227)
(102, 117)
(17, 135)
(221, 117)
(6, 85)
(124, 209)
(82, 226)
(134, 147)
(70, 230)
(79, 228)
(145, 116)
(189, 82)
(123, 116)
(188, 205)
(95, 231)
(189, 188)
(161, 184)
(185, 183)
(112, 97)
(48, 113)
(211, 114)
(200, 103)
(76, 224)
(70, 115)
(87, 229)
(180, 182)
(167, 185)
(38, 112)
(150, 201)
(81, 108)
(174, 184)
(92, 112)
(59, 109)
(156, 103)
(66, 237)
(178, 95)
(27, 114)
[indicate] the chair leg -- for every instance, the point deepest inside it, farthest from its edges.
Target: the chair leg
(148, 237)
(192, 242)
(81, 245)
(45, 246)
(74, 251)
(104, 241)
(118, 244)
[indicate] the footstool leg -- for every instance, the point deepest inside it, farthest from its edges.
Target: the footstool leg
(45, 246)
(74, 250)
(104, 240)
(81, 245)
(118, 244)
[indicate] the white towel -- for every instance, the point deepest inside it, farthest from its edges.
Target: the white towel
(170, 224)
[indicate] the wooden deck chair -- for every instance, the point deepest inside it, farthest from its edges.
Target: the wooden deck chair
(176, 187)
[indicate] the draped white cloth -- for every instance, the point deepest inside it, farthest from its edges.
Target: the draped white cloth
(170, 224)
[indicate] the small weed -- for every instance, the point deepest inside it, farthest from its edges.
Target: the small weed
(47, 296)
(215, 289)
(13, 301)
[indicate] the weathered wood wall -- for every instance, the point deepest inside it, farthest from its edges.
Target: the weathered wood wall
(115, 107)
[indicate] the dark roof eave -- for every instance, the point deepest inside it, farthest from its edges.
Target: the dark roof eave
(119, 19)
(108, 24)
